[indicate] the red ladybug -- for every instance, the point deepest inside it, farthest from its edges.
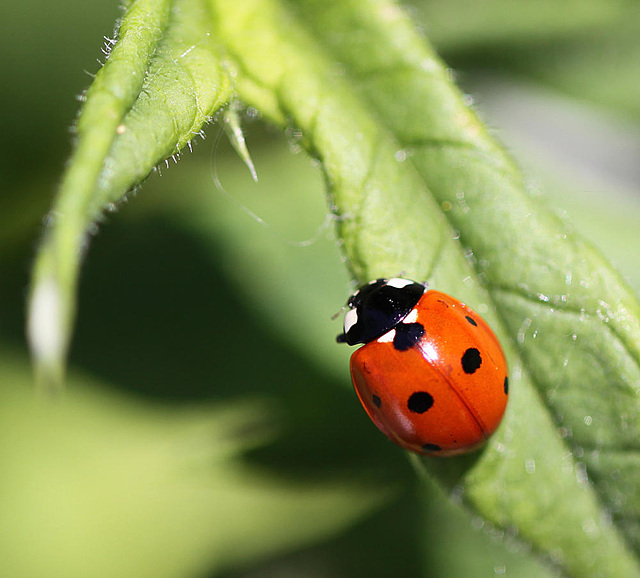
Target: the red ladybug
(431, 375)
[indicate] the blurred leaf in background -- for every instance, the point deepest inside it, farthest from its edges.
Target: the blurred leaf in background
(104, 485)
(162, 472)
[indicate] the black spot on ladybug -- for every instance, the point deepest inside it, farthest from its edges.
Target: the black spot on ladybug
(506, 385)
(471, 320)
(431, 448)
(376, 401)
(471, 360)
(420, 401)
(407, 335)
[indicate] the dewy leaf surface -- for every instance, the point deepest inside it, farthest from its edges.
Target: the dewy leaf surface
(159, 86)
(576, 322)
(400, 150)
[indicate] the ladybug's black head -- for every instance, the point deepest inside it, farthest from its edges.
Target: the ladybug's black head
(377, 307)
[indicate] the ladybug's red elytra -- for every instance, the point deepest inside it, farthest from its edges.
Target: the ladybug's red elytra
(431, 373)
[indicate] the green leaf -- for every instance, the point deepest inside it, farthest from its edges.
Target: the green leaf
(103, 484)
(160, 84)
(420, 189)
(417, 188)
(574, 319)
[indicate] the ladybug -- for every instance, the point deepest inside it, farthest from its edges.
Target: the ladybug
(431, 373)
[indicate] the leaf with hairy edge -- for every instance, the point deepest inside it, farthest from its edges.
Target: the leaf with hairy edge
(576, 322)
(160, 84)
(408, 166)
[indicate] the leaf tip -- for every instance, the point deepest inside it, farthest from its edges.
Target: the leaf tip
(45, 332)
(236, 136)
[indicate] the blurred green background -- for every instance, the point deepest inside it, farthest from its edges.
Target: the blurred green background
(209, 428)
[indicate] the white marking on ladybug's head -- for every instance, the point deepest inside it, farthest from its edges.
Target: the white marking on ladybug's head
(412, 317)
(388, 337)
(399, 283)
(350, 319)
